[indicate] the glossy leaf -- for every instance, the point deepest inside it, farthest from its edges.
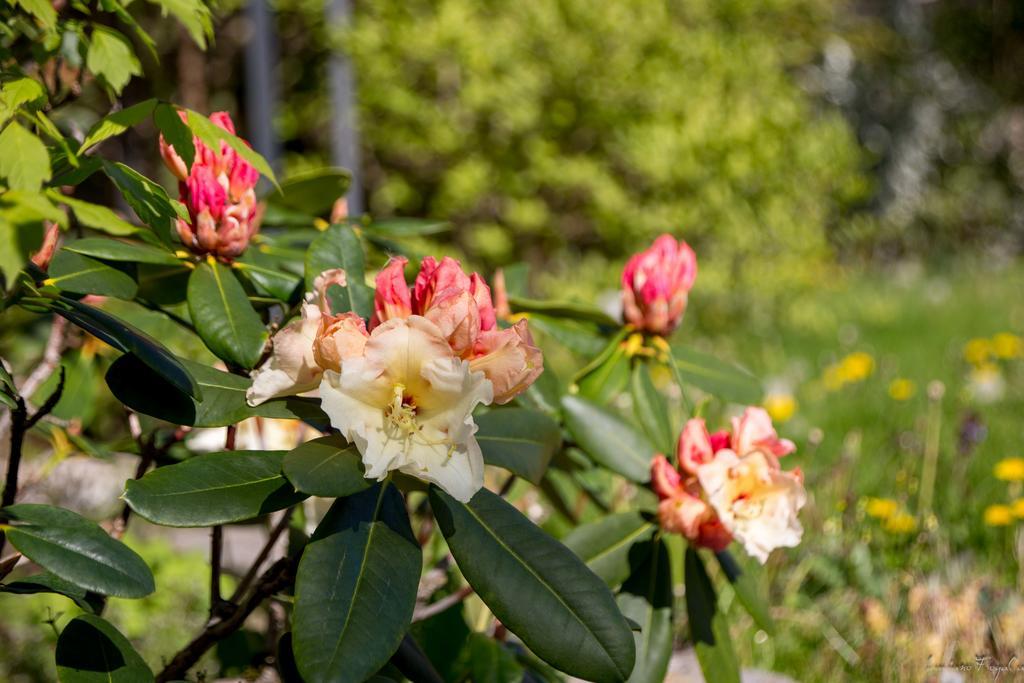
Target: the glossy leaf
(116, 123)
(281, 286)
(651, 409)
(176, 132)
(718, 378)
(47, 582)
(24, 161)
(488, 661)
(148, 200)
(408, 227)
(329, 467)
(213, 488)
(118, 250)
(356, 587)
(313, 192)
(747, 590)
(223, 402)
(212, 135)
(223, 316)
(77, 550)
(562, 309)
(520, 440)
(708, 627)
(612, 545)
(128, 339)
(73, 272)
(646, 598)
(608, 379)
(90, 650)
(339, 247)
(536, 586)
(95, 216)
(608, 439)
(582, 338)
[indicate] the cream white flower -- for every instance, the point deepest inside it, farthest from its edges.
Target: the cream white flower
(292, 369)
(407, 404)
(755, 500)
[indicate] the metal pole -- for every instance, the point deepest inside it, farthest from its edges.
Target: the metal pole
(342, 87)
(261, 83)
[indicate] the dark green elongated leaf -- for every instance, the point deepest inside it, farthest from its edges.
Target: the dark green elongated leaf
(176, 132)
(212, 135)
(117, 123)
(708, 627)
(213, 488)
(117, 250)
(328, 467)
(223, 403)
(581, 338)
(520, 440)
(128, 339)
(718, 378)
(72, 272)
(77, 550)
(163, 285)
(95, 216)
(356, 587)
(339, 247)
(646, 598)
(536, 586)
(608, 379)
(562, 309)
(608, 439)
(47, 582)
(223, 316)
(612, 545)
(313, 192)
(651, 409)
(90, 650)
(745, 585)
(149, 201)
(281, 286)
(408, 227)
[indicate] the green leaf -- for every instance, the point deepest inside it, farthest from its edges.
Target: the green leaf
(520, 440)
(128, 339)
(149, 201)
(20, 92)
(708, 627)
(112, 58)
(536, 587)
(339, 247)
(612, 545)
(90, 650)
(194, 15)
(608, 439)
(223, 316)
(24, 161)
(562, 309)
(356, 587)
(77, 550)
(747, 590)
(718, 378)
(581, 338)
(213, 488)
(646, 598)
(651, 409)
(212, 135)
(313, 192)
(95, 216)
(608, 379)
(176, 132)
(51, 583)
(329, 467)
(281, 286)
(114, 124)
(223, 397)
(117, 250)
(488, 661)
(71, 272)
(41, 10)
(408, 227)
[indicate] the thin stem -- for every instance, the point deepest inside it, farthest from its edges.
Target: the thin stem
(217, 542)
(275, 533)
(19, 419)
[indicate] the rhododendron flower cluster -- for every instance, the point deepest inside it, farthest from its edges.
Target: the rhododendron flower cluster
(656, 283)
(730, 485)
(219, 191)
(403, 388)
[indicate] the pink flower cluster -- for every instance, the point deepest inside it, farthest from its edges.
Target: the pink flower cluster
(219, 191)
(656, 283)
(730, 485)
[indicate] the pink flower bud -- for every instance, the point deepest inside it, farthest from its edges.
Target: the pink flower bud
(656, 283)
(665, 479)
(392, 298)
(43, 257)
(459, 304)
(694, 447)
(509, 359)
(437, 279)
(339, 338)
(482, 297)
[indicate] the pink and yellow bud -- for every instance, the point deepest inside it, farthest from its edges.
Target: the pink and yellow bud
(339, 338)
(509, 358)
(43, 257)
(655, 285)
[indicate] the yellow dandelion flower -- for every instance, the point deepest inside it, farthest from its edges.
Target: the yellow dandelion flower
(901, 523)
(1007, 345)
(1009, 469)
(998, 515)
(881, 508)
(977, 350)
(857, 366)
(901, 389)
(1017, 507)
(781, 407)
